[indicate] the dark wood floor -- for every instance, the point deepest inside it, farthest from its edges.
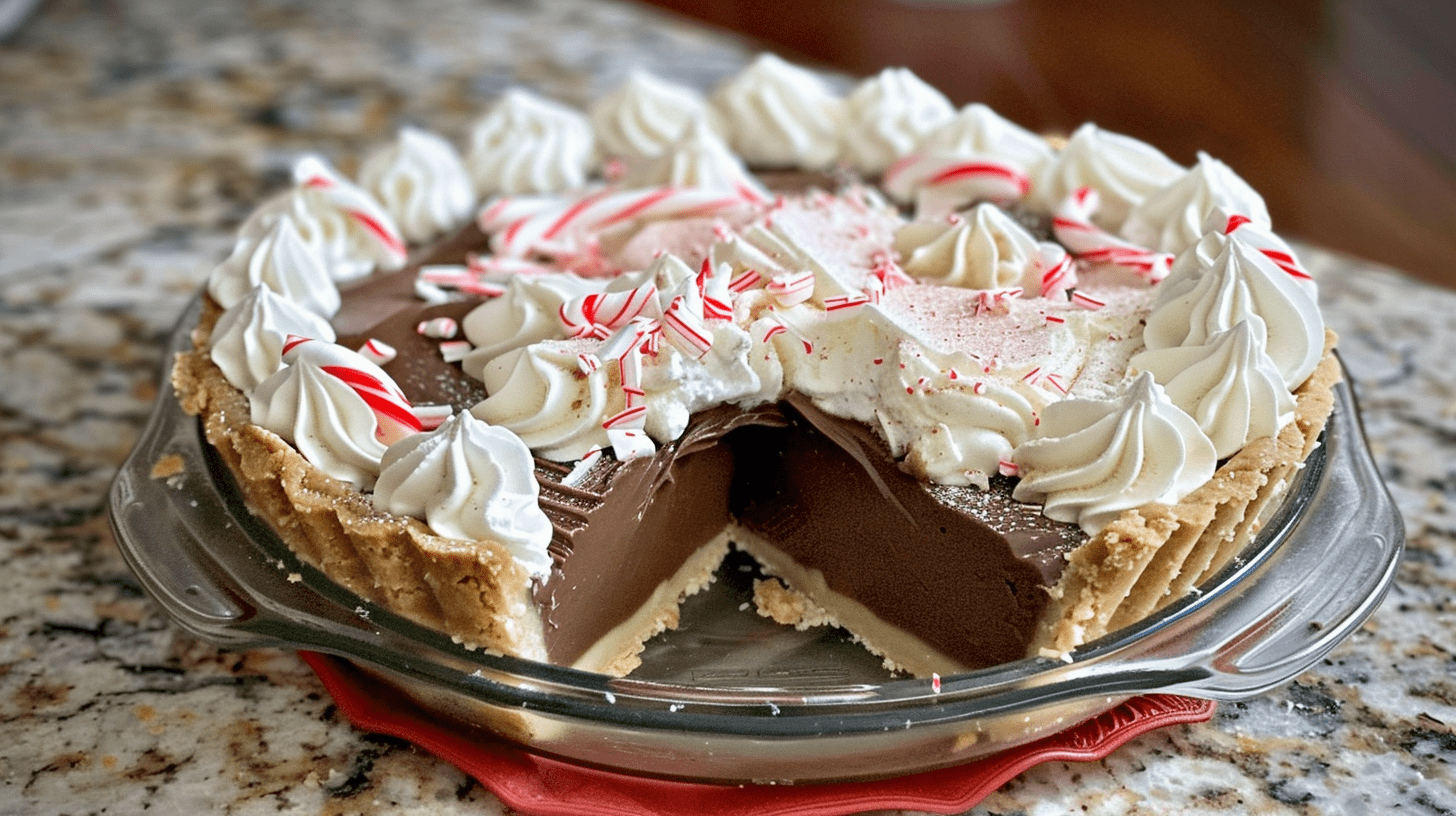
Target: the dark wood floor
(1342, 112)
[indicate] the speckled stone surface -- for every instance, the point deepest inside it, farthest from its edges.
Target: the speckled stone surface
(134, 137)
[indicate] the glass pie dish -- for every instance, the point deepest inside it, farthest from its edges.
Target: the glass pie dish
(732, 698)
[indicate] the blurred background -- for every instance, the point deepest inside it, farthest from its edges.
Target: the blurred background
(1342, 113)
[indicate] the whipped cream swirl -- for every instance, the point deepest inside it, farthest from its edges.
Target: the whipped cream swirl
(1093, 459)
(644, 115)
(247, 342)
(527, 313)
(952, 429)
(1229, 385)
(422, 183)
(1123, 170)
(529, 144)
(698, 158)
(780, 115)
(986, 249)
(352, 233)
(886, 117)
(469, 480)
(339, 410)
(281, 259)
(540, 393)
(1173, 219)
(1242, 282)
(976, 130)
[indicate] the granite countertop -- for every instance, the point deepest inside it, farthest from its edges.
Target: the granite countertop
(134, 137)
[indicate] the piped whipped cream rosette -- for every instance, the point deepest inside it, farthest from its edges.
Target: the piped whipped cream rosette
(469, 480)
(605, 319)
(1174, 218)
(977, 156)
(249, 338)
(337, 408)
(529, 144)
(1093, 459)
(348, 230)
(422, 183)
(644, 115)
(780, 115)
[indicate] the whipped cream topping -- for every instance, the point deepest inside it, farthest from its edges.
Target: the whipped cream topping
(469, 480)
(976, 156)
(780, 115)
(1173, 219)
(528, 144)
(541, 393)
(985, 249)
(1124, 171)
(1093, 459)
(1241, 283)
(644, 115)
(422, 183)
(630, 306)
(351, 232)
(1229, 385)
(698, 158)
(886, 117)
(248, 339)
(527, 313)
(279, 258)
(978, 131)
(339, 410)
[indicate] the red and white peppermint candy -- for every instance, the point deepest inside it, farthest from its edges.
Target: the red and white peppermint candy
(1072, 224)
(777, 326)
(714, 290)
(453, 351)
(686, 330)
(1055, 267)
(996, 301)
(941, 182)
(438, 328)
(599, 314)
(432, 416)
(377, 351)
(582, 467)
(791, 288)
(630, 443)
(564, 227)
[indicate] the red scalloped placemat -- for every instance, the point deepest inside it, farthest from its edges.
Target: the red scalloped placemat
(542, 786)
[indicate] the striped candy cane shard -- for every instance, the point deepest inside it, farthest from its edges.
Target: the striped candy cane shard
(996, 301)
(1057, 271)
(1086, 301)
(453, 351)
(394, 417)
(777, 326)
(712, 283)
(582, 467)
(792, 288)
(598, 315)
(438, 328)
(560, 228)
(685, 330)
(432, 416)
(1073, 227)
(630, 443)
(377, 351)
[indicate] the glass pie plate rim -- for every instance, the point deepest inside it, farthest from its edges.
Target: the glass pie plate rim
(1318, 568)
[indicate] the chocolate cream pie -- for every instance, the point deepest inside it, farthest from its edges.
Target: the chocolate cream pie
(969, 393)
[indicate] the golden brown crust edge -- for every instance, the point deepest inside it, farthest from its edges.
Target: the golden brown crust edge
(1153, 555)
(473, 591)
